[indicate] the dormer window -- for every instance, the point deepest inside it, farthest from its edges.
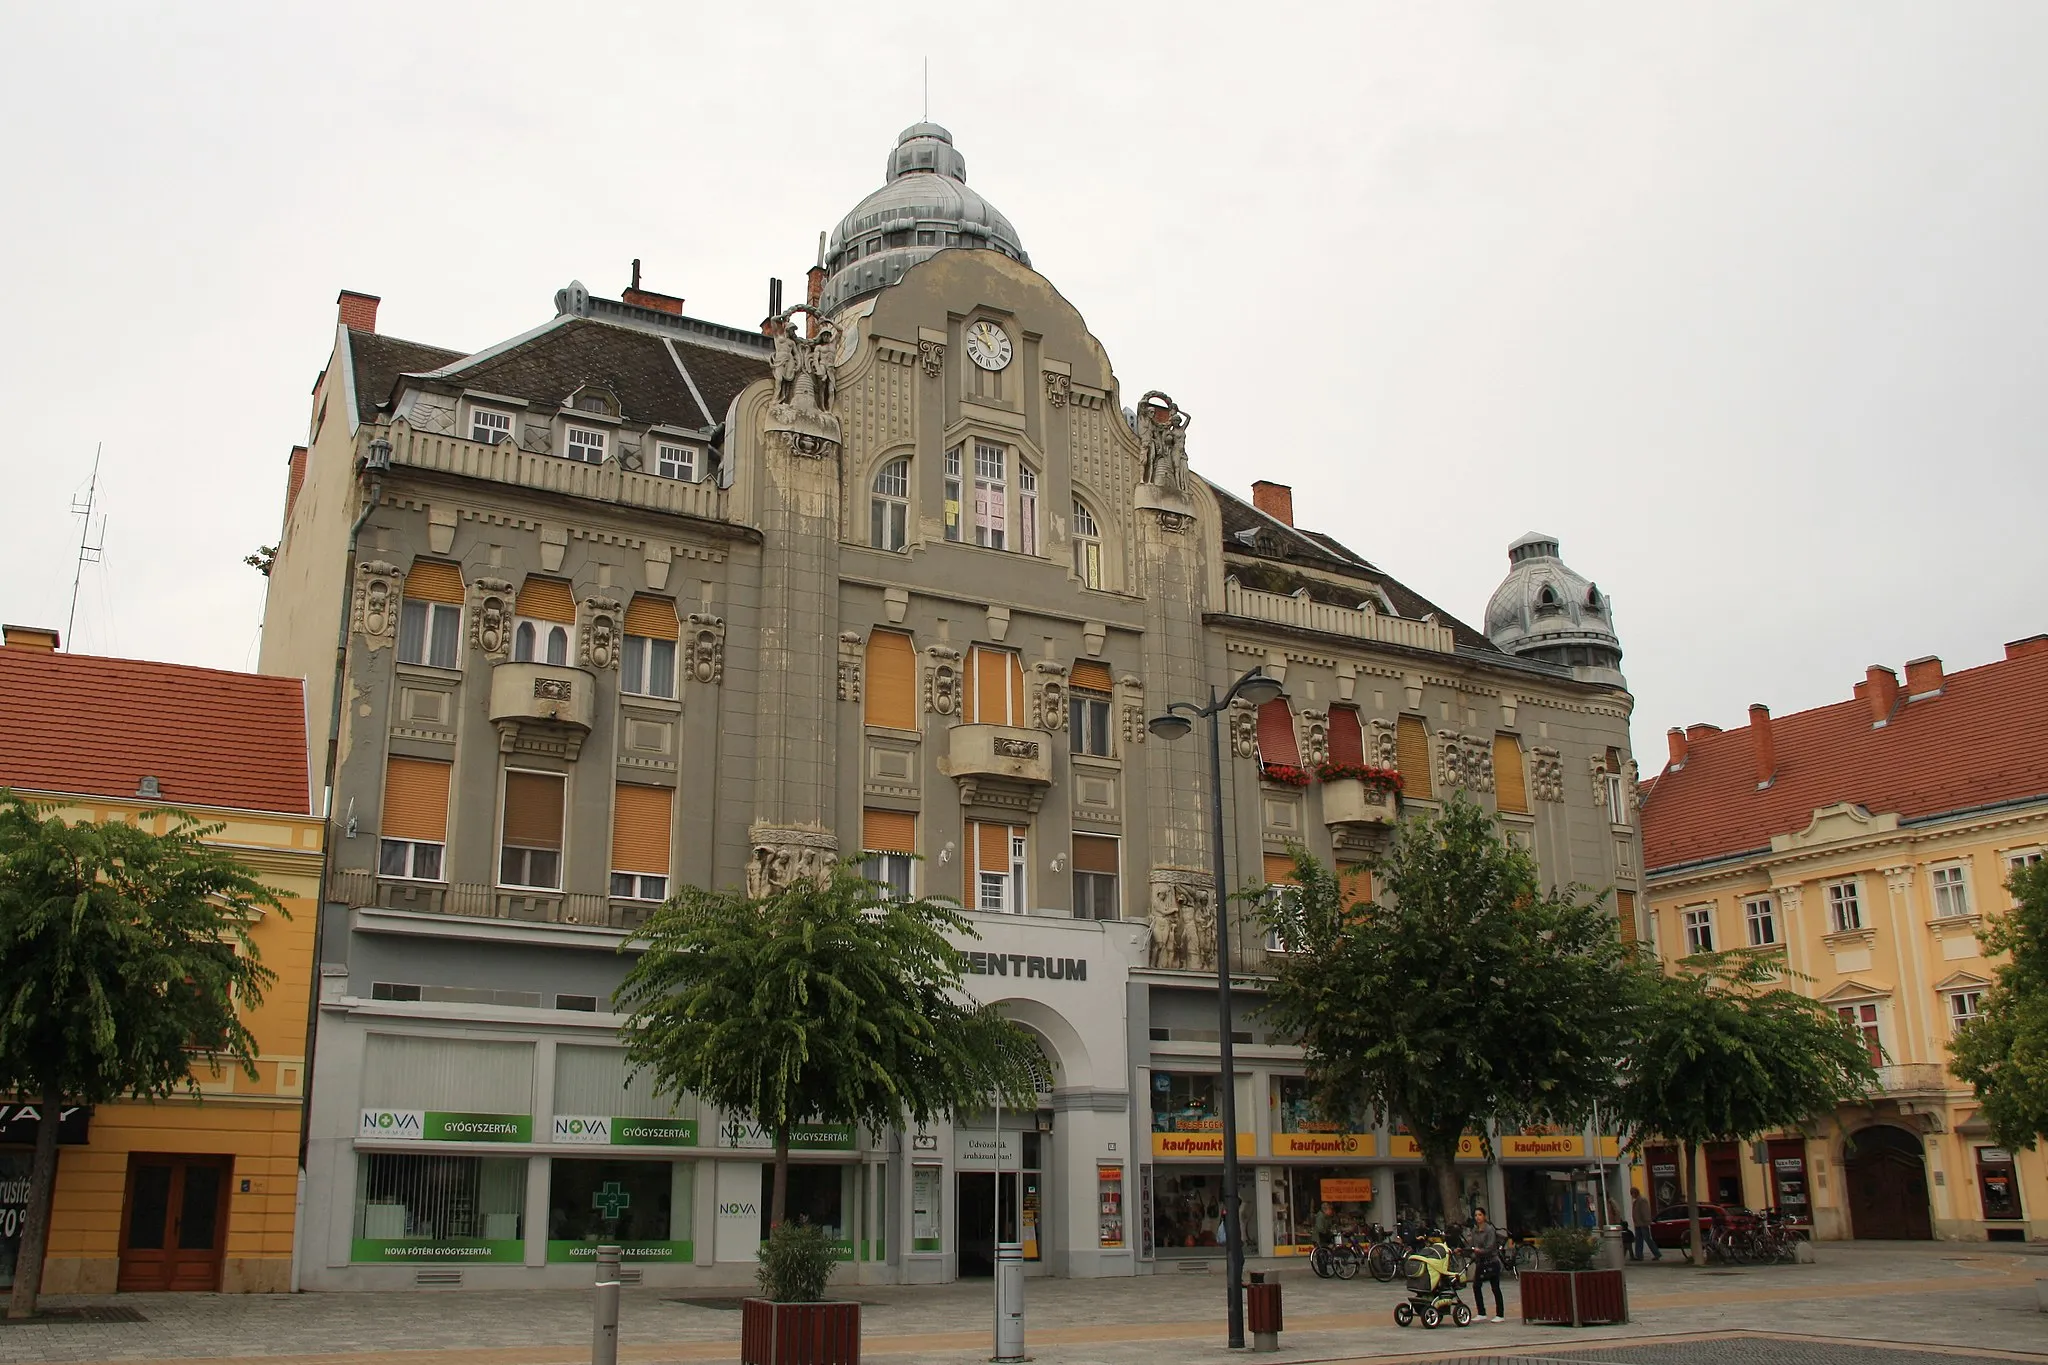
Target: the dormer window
(1548, 603)
(591, 402)
(584, 444)
(1594, 602)
(673, 461)
(489, 427)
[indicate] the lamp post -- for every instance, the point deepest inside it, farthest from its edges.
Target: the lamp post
(1174, 723)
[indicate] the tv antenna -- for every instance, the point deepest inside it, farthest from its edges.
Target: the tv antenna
(88, 552)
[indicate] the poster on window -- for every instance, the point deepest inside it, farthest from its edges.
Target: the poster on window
(13, 1211)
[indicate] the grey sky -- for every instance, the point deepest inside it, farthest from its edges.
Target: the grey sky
(1742, 301)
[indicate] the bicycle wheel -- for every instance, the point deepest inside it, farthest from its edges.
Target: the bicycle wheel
(1319, 1261)
(1383, 1263)
(1347, 1264)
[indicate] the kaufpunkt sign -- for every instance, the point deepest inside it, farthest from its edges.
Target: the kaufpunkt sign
(430, 1125)
(600, 1130)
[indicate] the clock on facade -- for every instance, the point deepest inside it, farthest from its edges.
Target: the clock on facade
(988, 346)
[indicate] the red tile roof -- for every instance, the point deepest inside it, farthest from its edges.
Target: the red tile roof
(1983, 740)
(78, 723)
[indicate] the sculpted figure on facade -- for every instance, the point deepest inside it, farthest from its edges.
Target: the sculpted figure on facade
(706, 657)
(802, 366)
(1182, 932)
(932, 355)
(942, 680)
(1382, 749)
(1450, 760)
(849, 665)
(1315, 737)
(1058, 388)
(490, 617)
(597, 633)
(376, 606)
(1546, 774)
(1478, 763)
(1130, 693)
(1049, 696)
(786, 854)
(1163, 434)
(1244, 729)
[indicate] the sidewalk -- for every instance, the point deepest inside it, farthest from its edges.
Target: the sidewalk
(1949, 1295)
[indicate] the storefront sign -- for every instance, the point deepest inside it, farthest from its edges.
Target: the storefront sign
(596, 1130)
(1402, 1146)
(804, 1137)
(428, 1125)
(1345, 1190)
(1526, 1147)
(1198, 1146)
(19, 1124)
(1324, 1144)
(676, 1253)
(437, 1249)
(1027, 965)
(14, 1168)
(980, 1150)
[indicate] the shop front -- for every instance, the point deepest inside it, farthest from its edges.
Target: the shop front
(1314, 1162)
(19, 1125)
(1187, 1205)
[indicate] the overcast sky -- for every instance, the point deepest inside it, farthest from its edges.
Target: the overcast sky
(1743, 302)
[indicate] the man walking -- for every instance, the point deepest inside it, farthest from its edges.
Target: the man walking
(1639, 1214)
(1484, 1241)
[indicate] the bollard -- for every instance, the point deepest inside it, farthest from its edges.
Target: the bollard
(604, 1336)
(1010, 1301)
(1262, 1312)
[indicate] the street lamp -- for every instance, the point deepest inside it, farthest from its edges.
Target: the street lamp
(1174, 723)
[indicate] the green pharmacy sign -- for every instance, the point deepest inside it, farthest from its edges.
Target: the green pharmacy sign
(398, 1249)
(679, 1253)
(599, 1130)
(803, 1137)
(431, 1125)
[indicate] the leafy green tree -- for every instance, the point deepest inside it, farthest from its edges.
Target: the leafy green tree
(124, 956)
(826, 1001)
(1462, 992)
(2004, 1052)
(1725, 1051)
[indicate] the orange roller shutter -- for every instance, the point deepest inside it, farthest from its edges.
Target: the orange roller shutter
(1276, 734)
(1511, 786)
(1280, 870)
(640, 828)
(416, 800)
(1411, 740)
(434, 580)
(888, 831)
(546, 599)
(533, 810)
(1354, 883)
(1625, 908)
(1347, 740)
(992, 848)
(1094, 853)
(1092, 675)
(891, 681)
(653, 617)
(991, 691)
(1016, 691)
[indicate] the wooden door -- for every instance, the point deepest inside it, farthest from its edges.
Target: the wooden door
(1887, 1174)
(174, 1223)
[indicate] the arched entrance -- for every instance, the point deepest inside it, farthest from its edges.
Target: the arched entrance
(1011, 1204)
(1886, 1169)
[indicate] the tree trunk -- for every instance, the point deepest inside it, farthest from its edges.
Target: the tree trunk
(1449, 1190)
(778, 1200)
(42, 1195)
(1692, 1201)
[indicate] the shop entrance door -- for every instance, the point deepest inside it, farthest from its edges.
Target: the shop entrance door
(1887, 1173)
(174, 1223)
(977, 1233)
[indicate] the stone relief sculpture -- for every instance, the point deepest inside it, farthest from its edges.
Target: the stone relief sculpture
(1546, 774)
(1244, 729)
(849, 665)
(786, 854)
(802, 366)
(1049, 696)
(942, 680)
(1478, 763)
(705, 658)
(1632, 774)
(490, 617)
(1450, 760)
(932, 355)
(1381, 748)
(1163, 433)
(1315, 737)
(597, 633)
(376, 605)
(1183, 934)
(1058, 388)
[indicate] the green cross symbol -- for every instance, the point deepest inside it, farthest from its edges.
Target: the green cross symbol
(612, 1200)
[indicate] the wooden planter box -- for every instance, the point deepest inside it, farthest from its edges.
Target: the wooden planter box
(774, 1333)
(1574, 1298)
(1349, 801)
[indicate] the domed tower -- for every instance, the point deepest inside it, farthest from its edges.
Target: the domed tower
(923, 209)
(1544, 610)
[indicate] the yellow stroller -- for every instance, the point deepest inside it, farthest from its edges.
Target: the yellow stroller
(1432, 1288)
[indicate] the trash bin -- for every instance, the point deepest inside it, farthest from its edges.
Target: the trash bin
(1262, 1312)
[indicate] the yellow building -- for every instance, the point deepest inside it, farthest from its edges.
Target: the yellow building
(1866, 841)
(182, 1193)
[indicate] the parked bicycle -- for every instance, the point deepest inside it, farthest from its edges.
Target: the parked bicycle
(1339, 1259)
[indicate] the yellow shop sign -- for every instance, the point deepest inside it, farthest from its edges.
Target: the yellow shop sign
(1530, 1145)
(1469, 1148)
(1324, 1144)
(1198, 1146)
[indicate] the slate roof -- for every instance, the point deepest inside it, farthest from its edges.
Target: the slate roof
(1981, 741)
(380, 360)
(1314, 549)
(91, 726)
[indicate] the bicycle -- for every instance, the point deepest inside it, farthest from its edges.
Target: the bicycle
(1340, 1259)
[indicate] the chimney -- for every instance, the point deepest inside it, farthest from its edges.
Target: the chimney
(647, 298)
(41, 639)
(2020, 649)
(358, 311)
(1698, 731)
(1881, 690)
(1276, 500)
(295, 479)
(1675, 738)
(1760, 738)
(1923, 677)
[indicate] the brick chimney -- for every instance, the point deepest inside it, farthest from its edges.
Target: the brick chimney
(41, 639)
(1923, 677)
(358, 311)
(647, 298)
(1675, 738)
(1880, 689)
(1698, 731)
(2020, 649)
(1761, 741)
(294, 479)
(1276, 500)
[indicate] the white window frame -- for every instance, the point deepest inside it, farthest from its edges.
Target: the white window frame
(1116, 888)
(428, 614)
(587, 438)
(2017, 860)
(411, 851)
(1699, 928)
(954, 511)
(1949, 889)
(1963, 1006)
(536, 648)
(638, 669)
(889, 506)
(561, 854)
(1090, 716)
(1617, 799)
(639, 886)
(1760, 916)
(896, 871)
(1845, 905)
(1279, 893)
(1027, 509)
(992, 494)
(1871, 1029)
(1009, 663)
(1087, 547)
(1020, 866)
(483, 419)
(674, 460)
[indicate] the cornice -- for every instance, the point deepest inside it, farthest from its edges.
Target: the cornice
(1865, 848)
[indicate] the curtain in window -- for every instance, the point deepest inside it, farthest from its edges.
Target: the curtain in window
(1411, 745)
(654, 617)
(533, 810)
(888, 831)
(1277, 744)
(415, 800)
(891, 681)
(1510, 785)
(434, 580)
(1347, 739)
(546, 599)
(640, 828)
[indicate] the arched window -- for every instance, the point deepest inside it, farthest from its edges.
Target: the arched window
(558, 645)
(1087, 547)
(1547, 602)
(889, 509)
(522, 642)
(1593, 598)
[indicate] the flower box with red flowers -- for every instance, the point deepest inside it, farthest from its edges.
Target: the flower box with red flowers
(1330, 770)
(1359, 794)
(1286, 774)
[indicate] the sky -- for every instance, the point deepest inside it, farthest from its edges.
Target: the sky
(1742, 302)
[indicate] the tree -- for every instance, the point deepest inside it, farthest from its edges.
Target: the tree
(826, 1001)
(1463, 992)
(1723, 1050)
(263, 560)
(124, 955)
(2004, 1052)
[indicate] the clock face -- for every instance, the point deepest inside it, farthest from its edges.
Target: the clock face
(988, 346)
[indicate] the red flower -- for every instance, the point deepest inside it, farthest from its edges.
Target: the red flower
(1286, 774)
(1388, 779)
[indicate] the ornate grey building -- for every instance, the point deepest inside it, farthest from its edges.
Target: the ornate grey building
(634, 599)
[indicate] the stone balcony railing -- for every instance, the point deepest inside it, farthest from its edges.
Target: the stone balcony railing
(1915, 1078)
(1297, 610)
(473, 900)
(506, 462)
(1000, 764)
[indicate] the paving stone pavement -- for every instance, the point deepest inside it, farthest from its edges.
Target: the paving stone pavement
(1857, 1299)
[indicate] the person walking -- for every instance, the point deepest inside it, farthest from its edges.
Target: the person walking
(1325, 1222)
(1639, 1214)
(1485, 1242)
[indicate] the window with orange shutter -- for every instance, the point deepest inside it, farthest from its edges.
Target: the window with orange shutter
(1411, 749)
(1347, 737)
(1511, 787)
(1625, 911)
(1000, 854)
(1279, 751)
(413, 834)
(995, 690)
(890, 839)
(1095, 877)
(543, 621)
(891, 690)
(641, 824)
(430, 618)
(530, 846)
(1089, 728)
(647, 664)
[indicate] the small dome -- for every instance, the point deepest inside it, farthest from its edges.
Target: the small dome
(924, 208)
(1545, 610)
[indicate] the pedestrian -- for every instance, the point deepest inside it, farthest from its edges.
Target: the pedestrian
(1485, 1242)
(1323, 1223)
(1639, 1214)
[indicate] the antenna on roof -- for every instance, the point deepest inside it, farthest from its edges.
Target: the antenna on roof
(927, 90)
(88, 553)
(821, 250)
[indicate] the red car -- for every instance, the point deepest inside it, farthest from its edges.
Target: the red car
(1672, 1227)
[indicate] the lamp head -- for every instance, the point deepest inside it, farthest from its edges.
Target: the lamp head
(377, 459)
(1170, 726)
(1258, 689)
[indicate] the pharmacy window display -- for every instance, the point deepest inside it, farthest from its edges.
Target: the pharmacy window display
(413, 1208)
(642, 1206)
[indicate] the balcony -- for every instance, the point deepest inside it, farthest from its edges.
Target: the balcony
(1002, 766)
(1295, 609)
(542, 708)
(472, 900)
(507, 463)
(1903, 1079)
(1349, 802)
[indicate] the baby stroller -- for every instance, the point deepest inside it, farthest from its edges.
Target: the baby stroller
(1432, 1288)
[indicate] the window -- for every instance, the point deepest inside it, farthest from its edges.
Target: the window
(1027, 510)
(1511, 787)
(953, 493)
(640, 841)
(1617, 798)
(544, 614)
(1762, 919)
(414, 830)
(1087, 547)
(1411, 741)
(891, 684)
(1278, 747)
(489, 427)
(1963, 1006)
(1863, 1019)
(1000, 854)
(1095, 874)
(585, 445)
(675, 462)
(1951, 891)
(1282, 890)
(991, 495)
(890, 836)
(1088, 721)
(591, 402)
(1845, 909)
(531, 842)
(995, 687)
(419, 1207)
(647, 664)
(889, 510)
(430, 620)
(1699, 929)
